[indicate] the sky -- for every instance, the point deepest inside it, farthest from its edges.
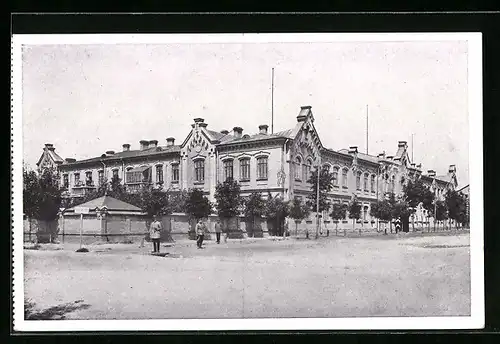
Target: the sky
(87, 99)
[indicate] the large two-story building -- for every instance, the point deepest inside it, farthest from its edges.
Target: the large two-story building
(278, 163)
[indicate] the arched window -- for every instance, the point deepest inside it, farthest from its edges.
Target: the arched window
(159, 174)
(393, 184)
(365, 182)
(262, 167)
(115, 174)
(175, 173)
(245, 169)
(335, 176)
(365, 212)
(228, 169)
(344, 177)
(358, 181)
(372, 183)
(298, 162)
(199, 171)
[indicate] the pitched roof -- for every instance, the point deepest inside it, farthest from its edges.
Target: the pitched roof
(110, 203)
(130, 154)
(53, 155)
(230, 139)
(362, 156)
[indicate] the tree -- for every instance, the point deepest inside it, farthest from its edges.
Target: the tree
(325, 186)
(276, 211)
(382, 210)
(415, 192)
(228, 198)
(456, 205)
(441, 211)
(253, 208)
(177, 200)
(298, 211)
(354, 209)
(400, 210)
(197, 205)
(154, 202)
(339, 212)
(42, 198)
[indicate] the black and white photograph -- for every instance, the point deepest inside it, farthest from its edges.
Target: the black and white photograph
(247, 182)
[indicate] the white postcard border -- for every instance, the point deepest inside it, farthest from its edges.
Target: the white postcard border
(476, 320)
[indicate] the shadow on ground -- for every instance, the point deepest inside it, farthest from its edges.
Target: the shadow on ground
(52, 313)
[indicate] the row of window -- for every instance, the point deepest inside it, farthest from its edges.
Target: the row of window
(244, 165)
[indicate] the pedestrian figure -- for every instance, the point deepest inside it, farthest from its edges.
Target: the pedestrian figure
(285, 228)
(200, 232)
(154, 234)
(218, 230)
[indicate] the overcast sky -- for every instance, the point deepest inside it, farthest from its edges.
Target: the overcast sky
(86, 99)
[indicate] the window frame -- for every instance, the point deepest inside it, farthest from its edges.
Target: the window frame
(159, 180)
(358, 180)
(244, 167)
(345, 178)
(298, 168)
(335, 173)
(262, 174)
(199, 171)
(175, 173)
(228, 165)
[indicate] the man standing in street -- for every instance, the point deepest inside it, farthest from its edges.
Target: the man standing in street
(218, 230)
(200, 232)
(154, 234)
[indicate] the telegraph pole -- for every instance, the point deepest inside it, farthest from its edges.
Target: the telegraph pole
(317, 200)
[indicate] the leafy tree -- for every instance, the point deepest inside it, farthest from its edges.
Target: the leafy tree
(400, 210)
(153, 201)
(228, 198)
(354, 209)
(441, 211)
(42, 198)
(415, 192)
(253, 208)
(197, 205)
(298, 211)
(177, 200)
(325, 186)
(276, 211)
(456, 205)
(339, 212)
(383, 211)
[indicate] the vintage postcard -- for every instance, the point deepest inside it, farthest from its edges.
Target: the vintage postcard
(247, 182)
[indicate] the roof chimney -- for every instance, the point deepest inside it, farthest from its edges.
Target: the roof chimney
(381, 155)
(413, 164)
(144, 144)
(452, 169)
(431, 173)
(225, 132)
(69, 160)
(401, 143)
(199, 120)
(170, 141)
(110, 152)
(50, 146)
(419, 166)
(237, 131)
(353, 150)
(153, 143)
(263, 129)
(126, 147)
(389, 157)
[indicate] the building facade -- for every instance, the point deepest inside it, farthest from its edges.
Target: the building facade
(276, 163)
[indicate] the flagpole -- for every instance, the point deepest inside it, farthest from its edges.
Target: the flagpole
(272, 101)
(367, 129)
